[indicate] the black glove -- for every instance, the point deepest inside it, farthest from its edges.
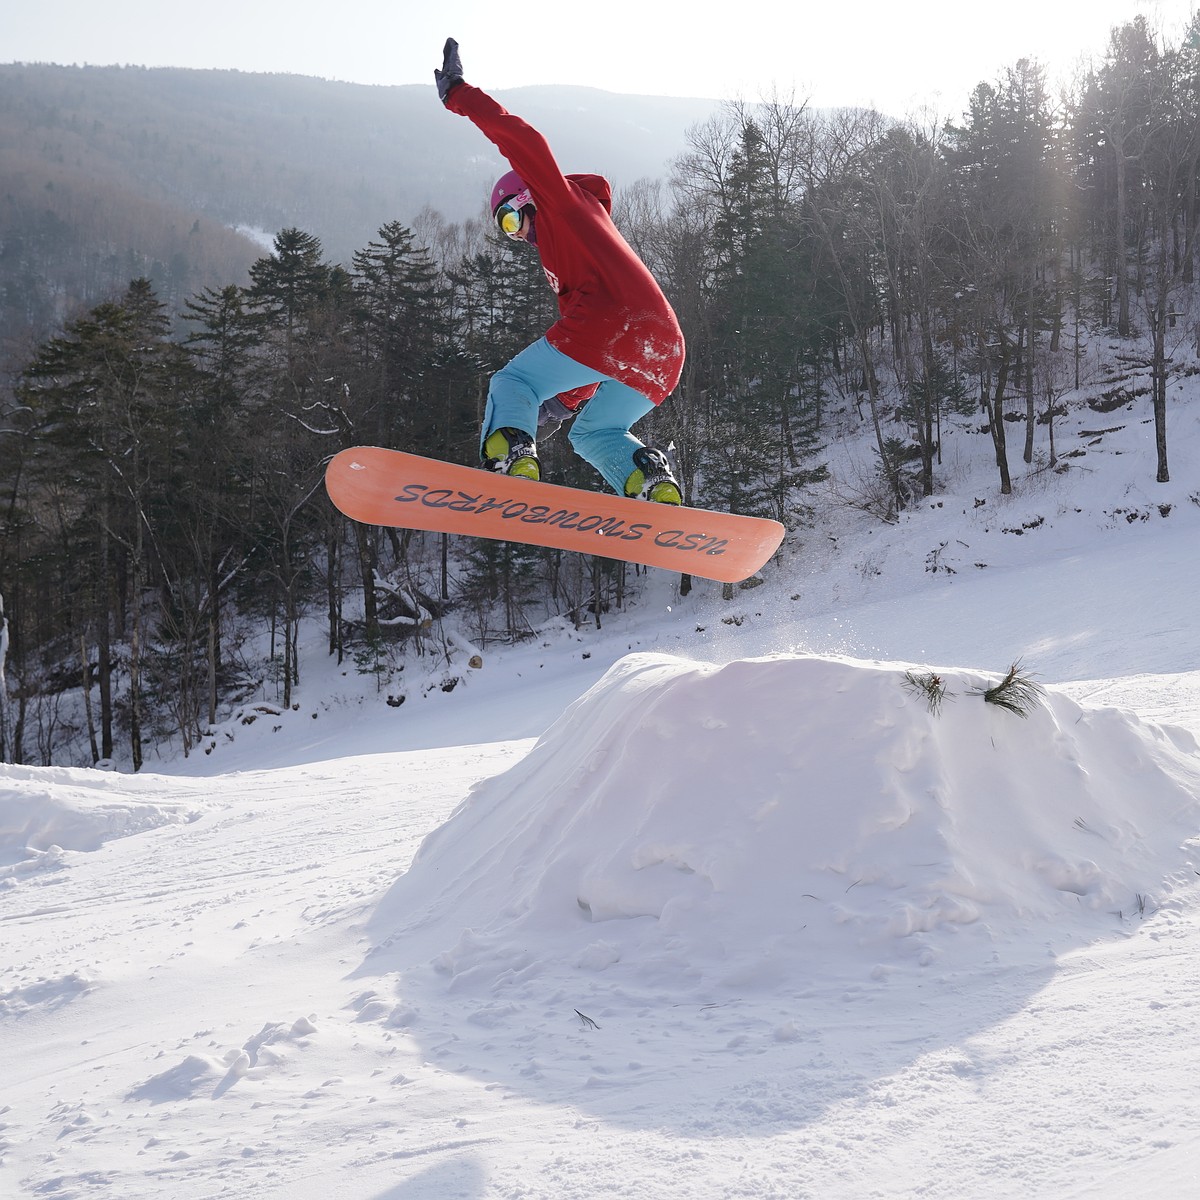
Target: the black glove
(451, 74)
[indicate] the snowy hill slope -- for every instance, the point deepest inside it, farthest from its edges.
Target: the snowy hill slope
(706, 904)
(701, 909)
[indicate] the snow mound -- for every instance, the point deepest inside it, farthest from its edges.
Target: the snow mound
(206, 1075)
(44, 994)
(690, 826)
(46, 810)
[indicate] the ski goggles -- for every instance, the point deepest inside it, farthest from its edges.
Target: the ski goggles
(508, 215)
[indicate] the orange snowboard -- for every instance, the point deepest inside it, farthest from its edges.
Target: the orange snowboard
(388, 487)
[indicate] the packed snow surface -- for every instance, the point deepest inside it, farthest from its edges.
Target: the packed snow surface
(693, 833)
(711, 902)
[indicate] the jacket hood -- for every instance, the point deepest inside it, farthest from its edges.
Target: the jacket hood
(598, 186)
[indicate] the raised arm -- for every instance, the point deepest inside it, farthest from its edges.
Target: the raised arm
(527, 151)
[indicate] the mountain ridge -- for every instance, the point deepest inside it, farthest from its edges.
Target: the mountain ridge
(118, 171)
(197, 135)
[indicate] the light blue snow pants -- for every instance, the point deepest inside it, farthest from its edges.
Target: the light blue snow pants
(599, 434)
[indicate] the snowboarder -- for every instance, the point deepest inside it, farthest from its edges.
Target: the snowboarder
(616, 350)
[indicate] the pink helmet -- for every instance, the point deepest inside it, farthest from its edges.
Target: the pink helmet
(509, 184)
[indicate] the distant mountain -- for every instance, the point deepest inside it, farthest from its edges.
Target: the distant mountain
(107, 173)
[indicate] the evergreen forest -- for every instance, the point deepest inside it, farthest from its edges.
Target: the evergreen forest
(162, 515)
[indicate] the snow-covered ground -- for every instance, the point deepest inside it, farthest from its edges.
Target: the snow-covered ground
(709, 903)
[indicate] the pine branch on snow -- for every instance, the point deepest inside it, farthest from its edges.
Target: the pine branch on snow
(1017, 691)
(932, 688)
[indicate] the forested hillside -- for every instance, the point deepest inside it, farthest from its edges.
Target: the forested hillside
(835, 274)
(111, 173)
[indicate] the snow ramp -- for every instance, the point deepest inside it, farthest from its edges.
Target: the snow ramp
(706, 831)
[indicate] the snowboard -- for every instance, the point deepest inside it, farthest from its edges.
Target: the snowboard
(377, 486)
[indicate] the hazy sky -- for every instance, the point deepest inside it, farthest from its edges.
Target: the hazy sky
(898, 56)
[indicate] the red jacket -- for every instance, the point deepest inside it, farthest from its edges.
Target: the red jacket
(613, 316)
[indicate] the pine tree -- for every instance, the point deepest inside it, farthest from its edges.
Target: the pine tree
(102, 399)
(212, 545)
(400, 327)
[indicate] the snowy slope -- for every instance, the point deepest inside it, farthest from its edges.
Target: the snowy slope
(707, 904)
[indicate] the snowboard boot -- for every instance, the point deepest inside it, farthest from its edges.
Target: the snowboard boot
(511, 452)
(651, 478)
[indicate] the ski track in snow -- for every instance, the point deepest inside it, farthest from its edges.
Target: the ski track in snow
(706, 905)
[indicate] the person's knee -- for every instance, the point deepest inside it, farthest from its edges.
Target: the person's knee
(578, 437)
(510, 383)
